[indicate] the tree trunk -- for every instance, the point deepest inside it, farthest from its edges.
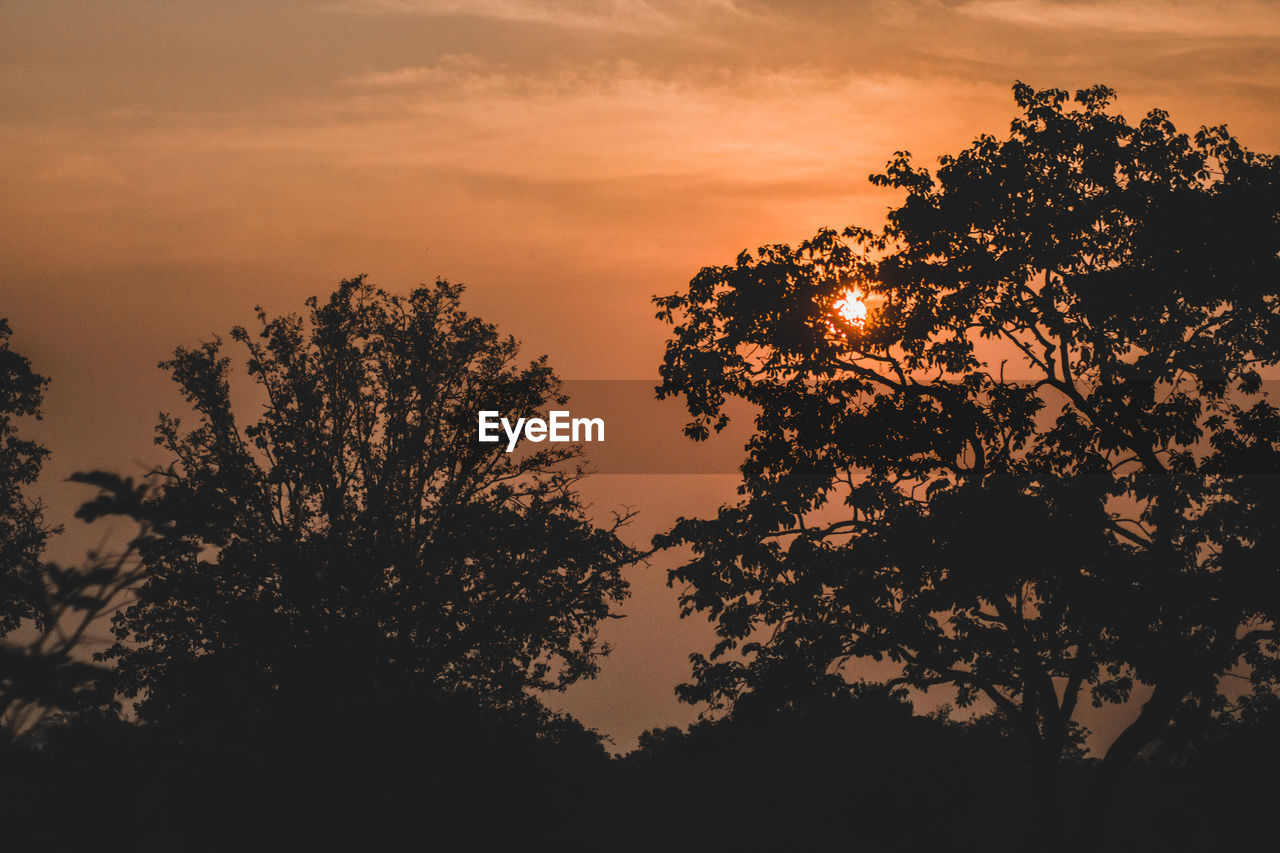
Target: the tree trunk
(1142, 731)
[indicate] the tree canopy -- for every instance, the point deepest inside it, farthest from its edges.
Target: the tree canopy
(1039, 471)
(356, 539)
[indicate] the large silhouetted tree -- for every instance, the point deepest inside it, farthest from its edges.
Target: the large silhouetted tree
(1039, 470)
(354, 539)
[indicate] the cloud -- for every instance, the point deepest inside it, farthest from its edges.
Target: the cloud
(594, 159)
(1187, 20)
(624, 16)
(617, 120)
(451, 70)
(666, 147)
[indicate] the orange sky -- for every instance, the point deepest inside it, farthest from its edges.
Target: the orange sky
(165, 166)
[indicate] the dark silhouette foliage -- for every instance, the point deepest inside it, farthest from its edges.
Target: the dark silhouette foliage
(860, 771)
(23, 531)
(42, 670)
(339, 617)
(426, 772)
(355, 539)
(1042, 471)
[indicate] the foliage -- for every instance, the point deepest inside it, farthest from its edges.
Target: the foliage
(440, 771)
(1041, 471)
(356, 539)
(23, 531)
(860, 771)
(40, 672)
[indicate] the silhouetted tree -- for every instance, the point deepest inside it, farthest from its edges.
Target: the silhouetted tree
(1036, 471)
(23, 531)
(356, 542)
(42, 670)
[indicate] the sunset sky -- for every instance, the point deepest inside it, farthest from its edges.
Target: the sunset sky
(166, 166)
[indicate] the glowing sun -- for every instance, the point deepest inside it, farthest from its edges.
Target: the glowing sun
(851, 308)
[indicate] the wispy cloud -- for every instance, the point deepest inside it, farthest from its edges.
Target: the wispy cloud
(625, 16)
(1188, 20)
(452, 70)
(764, 132)
(589, 158)
(618, 121)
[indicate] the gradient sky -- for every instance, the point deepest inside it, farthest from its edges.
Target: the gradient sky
(166, 166)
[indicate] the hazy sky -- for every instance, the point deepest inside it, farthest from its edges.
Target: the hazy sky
(165, 166)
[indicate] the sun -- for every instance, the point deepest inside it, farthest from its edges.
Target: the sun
(851, 308)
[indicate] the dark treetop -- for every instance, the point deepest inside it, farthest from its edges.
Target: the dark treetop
(1089, 513)
(355, 538)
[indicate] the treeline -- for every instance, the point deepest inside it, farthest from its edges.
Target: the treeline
(864, 774)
